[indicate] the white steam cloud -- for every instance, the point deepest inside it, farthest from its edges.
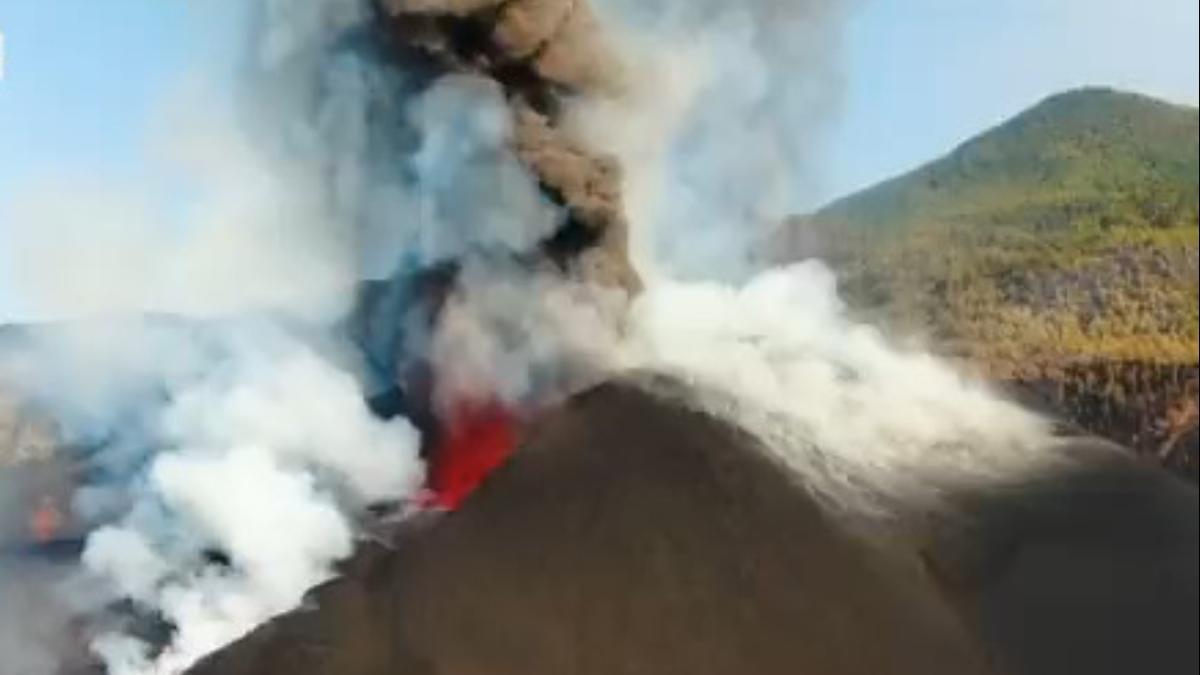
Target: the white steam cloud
(718, 124)
(525, 338)
(717, 131)
(202, 363)
(265, 459)
(234, 453)
(875, 432)
(247, 435)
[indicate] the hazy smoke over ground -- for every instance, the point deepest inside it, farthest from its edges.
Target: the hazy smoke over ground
(225, 439)
(875, 432)
(717, 128)
(263, 457)
(247, 434)
(526, 338)
(233, 455)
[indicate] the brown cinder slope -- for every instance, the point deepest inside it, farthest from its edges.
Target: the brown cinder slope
(1092, 568)
(632, 534)
(629, 535)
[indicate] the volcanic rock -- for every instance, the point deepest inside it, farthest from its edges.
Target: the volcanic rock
(630, 534)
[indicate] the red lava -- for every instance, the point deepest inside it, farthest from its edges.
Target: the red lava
(45, 521)
(477, 439)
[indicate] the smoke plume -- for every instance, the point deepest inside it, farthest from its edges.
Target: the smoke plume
(718, 125)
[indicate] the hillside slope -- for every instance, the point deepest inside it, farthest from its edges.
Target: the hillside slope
(1084, 158)
(1057, 250)
(631, 534)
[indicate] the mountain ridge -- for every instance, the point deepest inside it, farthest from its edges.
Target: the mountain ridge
(1055, 128)
(1056, 251)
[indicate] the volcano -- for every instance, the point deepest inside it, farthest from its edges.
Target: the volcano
(495, 445)
(631, 533)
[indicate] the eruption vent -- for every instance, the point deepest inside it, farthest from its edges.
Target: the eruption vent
(45, 521)
(476, 440)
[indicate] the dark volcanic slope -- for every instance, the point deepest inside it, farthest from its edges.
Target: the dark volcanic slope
(629, 535)
(1091, 569)
(632, 535)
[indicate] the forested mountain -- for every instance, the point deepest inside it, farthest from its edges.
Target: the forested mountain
(1058, 249)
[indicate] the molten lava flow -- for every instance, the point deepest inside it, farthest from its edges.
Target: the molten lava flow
(476, 440)
(45, 521)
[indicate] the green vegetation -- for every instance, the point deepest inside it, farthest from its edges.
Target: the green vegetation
(1068, 233)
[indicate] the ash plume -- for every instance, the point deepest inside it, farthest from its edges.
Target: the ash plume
(717, 124)
(528, 197)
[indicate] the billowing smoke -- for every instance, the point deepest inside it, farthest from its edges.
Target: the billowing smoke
(878, 434)
(215, 379)
(261, 458)
(198, 359)
(225, 440)
(717, 129)
(715, 123)
(719, 122)
(526, 338)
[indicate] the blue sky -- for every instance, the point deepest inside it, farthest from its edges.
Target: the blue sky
(85, 77)
(924, 75)
(81, 80)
